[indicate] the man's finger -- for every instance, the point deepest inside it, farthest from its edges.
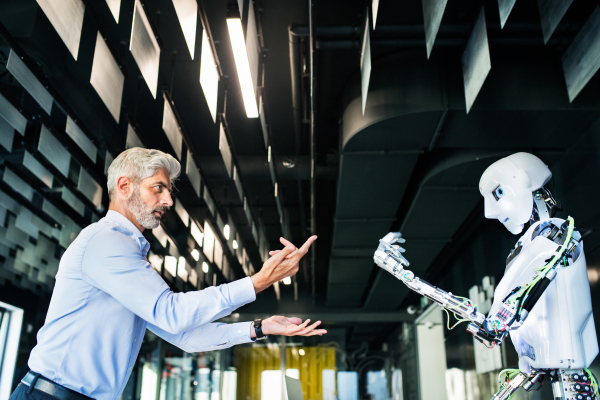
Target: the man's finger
(286, 242)
(306, 245)
(273, 252)
(317, 332)
(303, 325)
(310, 328)
(281, 255)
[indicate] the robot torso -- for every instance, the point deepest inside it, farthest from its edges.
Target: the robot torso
(559, 332)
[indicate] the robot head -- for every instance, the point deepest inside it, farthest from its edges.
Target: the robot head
(507, 187)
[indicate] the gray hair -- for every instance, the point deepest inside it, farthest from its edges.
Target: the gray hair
(138, 164)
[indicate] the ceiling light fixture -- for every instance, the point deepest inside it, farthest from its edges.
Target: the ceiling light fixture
(240, 54)
(196, 254)
(287, 281)
(301, 351)
(205, 267)
(235, 244)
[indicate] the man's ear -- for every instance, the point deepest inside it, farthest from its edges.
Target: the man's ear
(124, 187)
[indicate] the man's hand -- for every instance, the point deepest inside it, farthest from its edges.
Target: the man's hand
(282, 264)
(278, 325)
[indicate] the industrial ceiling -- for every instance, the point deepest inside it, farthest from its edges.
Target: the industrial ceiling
(324, 156)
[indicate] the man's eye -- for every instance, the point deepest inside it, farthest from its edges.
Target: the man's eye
(498, 192)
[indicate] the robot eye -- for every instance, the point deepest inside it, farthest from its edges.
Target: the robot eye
(498, 192)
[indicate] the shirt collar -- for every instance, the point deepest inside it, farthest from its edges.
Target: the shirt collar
(120, 219)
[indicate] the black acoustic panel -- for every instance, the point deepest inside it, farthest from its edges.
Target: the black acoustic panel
(551, 12)
(365, 64)
(476, 61)
(582, 59)
(350, 270)
(433, 11)
(505, 7)
(372, 185)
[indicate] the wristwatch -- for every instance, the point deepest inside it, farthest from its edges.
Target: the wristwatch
(258, 329)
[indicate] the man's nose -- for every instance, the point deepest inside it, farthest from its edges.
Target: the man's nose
(490, 209)
(166, 199)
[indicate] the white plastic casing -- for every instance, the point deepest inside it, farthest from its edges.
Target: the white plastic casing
(559, 331)
(518, 175)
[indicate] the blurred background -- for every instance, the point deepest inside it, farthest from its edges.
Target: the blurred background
(345, 119)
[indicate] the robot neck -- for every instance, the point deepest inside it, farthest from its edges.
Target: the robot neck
(544, 205)
(541, 211)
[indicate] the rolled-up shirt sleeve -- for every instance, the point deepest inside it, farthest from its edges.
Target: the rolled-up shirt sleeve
(209, 337)
(113, 263)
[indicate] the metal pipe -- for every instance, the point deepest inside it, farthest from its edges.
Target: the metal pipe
(294, 43)
(295, 74)
(313, 216)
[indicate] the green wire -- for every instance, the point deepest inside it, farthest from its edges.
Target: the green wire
(548, 266)
(594, 383)
(509, 373)
(457, 322)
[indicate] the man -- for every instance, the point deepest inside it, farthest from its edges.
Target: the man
(107, 294)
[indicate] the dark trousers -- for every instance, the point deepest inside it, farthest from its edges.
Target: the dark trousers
(20, 393)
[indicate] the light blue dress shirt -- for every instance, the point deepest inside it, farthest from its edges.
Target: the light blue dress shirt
(107, 294)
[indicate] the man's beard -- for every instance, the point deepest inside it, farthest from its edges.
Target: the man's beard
(144, 214)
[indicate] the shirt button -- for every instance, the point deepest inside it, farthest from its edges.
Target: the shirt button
(212, 347)
(240, 340)
(239, 331)
(134, 340)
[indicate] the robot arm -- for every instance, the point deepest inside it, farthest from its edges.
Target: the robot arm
(388, 256)
(495, 327)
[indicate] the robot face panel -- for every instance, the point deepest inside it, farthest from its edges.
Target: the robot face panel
(506, 196)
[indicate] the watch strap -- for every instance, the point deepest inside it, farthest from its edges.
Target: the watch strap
(258, 329)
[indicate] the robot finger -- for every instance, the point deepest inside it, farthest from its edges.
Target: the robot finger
(393, 237)
(398, 248)
(400, 258)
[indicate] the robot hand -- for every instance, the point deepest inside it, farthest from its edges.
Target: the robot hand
(388, 254)
(389, 245)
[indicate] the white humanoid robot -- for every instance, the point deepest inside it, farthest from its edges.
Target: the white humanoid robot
(543, 300)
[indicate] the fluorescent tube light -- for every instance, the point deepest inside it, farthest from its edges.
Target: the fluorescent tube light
(238, 44)
(209, 76)
(226, 231)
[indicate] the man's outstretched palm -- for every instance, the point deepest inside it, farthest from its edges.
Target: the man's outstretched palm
(279, 325)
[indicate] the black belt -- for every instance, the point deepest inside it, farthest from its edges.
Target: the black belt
(53, 389)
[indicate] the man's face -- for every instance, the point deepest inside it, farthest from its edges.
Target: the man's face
(150, 199)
